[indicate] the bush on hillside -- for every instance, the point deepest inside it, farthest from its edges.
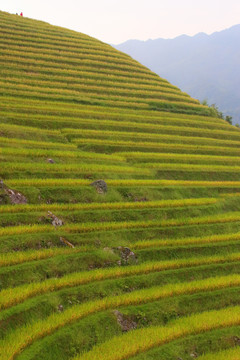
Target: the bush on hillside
(216, 112)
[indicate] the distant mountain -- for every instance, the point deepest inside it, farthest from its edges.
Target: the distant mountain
(205, 66)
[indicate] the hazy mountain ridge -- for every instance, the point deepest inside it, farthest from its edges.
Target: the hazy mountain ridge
(205, 66)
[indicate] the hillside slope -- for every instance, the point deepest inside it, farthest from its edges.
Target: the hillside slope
(153, 247)
(205, 66)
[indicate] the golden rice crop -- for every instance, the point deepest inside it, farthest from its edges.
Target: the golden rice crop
(89, 65)
(101, 80)
(111, 226)
(19, 257)
(107, 112)
(142, 340)
(184, 157)
(125, 182)
(12, 296)
(94, 90)
(79, 168)
(229, 354)
(94, 61)
(158, 146)
(190, 167)
(57, 153)
(125, 100)
(88, 55)
(33, 143)
(113, 205)
(138, 341)
(211, 239)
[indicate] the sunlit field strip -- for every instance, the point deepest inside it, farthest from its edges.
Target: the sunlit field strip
(230, 194)
(111, 226)
(51, 107)
(121, 103)
(59, 37)
(81, 73)
(18, 257)
(58, 153)
(60, 60)
(150, 117)
(100, 92)
(151, 131)
(136, 125)
(124, 182)
(41, 144)
(140, 156)
(190, 167)
(80, 168)
(141, 137)
(85, 57)
(34, 44)
(108, 120)
(142, 340)
(102, 206)
(211, 133)
(73, 57)
(66, 94)
(75, 39)
(78, 98)
(39, 45)
(25, 256)
(121, 145)
(114, 348)
(35, 26)
(13, 74)
(82, 67)
(13, 296)
(40, 74)
(211, 239)
(95, 89)
(15, 130)
(54, 108)
(111, 56)
(229, 354)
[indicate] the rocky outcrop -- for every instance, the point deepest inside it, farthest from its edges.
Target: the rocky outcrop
(55, 220)
(124, 321)
(126, 254)
(100, 186)
(66, 242)
(15, 197)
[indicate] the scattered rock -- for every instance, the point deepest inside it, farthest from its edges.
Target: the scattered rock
(125, 322)
(109, 250)
(141, 199)
(14, 196)
(67, 243)
(194, 355)
(50, 161)
(100, 186)
(126, 255)
(60, 308)
(236, 340)
(55, 220)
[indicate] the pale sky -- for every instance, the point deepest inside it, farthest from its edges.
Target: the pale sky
(115, 21)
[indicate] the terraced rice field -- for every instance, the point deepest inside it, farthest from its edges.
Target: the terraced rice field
(150, 268)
